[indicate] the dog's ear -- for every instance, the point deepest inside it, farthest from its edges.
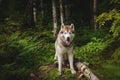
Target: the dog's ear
(72, 26)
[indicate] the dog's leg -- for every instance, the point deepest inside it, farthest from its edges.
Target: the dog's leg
(70, 57)
(60, 59)
(55, 58)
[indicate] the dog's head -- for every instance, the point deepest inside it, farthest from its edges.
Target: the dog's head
(67, 34)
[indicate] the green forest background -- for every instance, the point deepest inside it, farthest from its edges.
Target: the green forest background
(25, 44)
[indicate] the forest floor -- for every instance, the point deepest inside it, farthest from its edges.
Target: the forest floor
(42, 72)
(48, 71)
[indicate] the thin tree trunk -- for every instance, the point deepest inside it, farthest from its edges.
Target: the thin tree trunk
(94, 14)
(54, 18)
(42, 11)
(67, 10)
(61, 12)
(34, 11)
(67, 14)
(32, 14)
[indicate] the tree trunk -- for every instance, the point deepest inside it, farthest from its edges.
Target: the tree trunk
(41, 6)
(54, 18)
(94, 14)
(61, 12)
(67, 12)
(34, 11)
(32, 14)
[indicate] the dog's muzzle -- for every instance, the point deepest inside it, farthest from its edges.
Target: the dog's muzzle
(68, 41)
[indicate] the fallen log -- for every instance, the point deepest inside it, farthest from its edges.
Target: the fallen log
(84, 71)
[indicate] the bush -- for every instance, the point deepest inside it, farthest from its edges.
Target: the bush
(23, 52)
(112, 16)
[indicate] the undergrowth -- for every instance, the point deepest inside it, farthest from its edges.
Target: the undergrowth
(24, 51)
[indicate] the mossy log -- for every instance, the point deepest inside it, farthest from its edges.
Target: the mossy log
(84, 71)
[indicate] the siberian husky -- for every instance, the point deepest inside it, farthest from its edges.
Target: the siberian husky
(64, 47)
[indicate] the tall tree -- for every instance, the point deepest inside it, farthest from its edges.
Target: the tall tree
(41, 6)
(94, 14)
(61, 12)
(33, 15)
(34, 11)
(54, 18)
(67, 11)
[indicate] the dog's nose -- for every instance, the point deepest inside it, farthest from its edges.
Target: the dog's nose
(68, 38)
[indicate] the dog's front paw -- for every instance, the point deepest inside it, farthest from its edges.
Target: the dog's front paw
(73, 71)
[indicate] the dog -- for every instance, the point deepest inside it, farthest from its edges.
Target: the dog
(64, 47)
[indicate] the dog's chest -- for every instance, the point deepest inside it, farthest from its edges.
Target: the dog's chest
(64, 50)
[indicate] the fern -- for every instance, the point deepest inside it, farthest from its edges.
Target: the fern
(114, 16)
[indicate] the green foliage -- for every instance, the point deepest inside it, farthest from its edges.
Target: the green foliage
(115, 1)
(23, 52)
(116, 56)
(50, 72)
(114, 17)
(111, 20)
(52, 75)
(86, 35)
(91, 45)
(111, 71)
(92, 49)
(10, 25)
